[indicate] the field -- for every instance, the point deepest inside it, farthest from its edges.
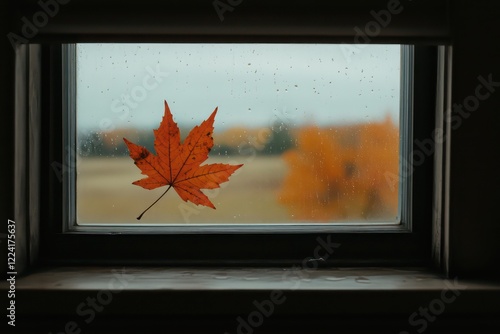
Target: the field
(105, 194)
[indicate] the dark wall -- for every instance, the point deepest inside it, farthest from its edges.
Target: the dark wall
(7, 131)
(475, 143)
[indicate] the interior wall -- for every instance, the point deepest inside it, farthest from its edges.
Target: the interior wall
(475, 141)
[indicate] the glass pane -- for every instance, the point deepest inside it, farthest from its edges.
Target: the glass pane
(316, 128)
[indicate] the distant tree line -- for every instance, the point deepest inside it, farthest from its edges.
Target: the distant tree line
(94, 143)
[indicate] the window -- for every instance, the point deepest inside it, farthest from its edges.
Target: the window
(379, 242)
(289, 23)
(317, 129)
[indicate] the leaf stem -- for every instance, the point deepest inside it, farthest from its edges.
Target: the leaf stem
(149, 207)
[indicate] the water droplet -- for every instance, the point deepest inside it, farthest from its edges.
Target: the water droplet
(335, 278)
(362, 279)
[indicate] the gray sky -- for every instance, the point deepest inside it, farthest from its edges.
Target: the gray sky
(124, 85)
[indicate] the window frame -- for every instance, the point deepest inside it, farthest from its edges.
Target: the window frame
(70, 224)
(373, 246)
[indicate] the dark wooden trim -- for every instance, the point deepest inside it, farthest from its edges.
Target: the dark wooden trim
(51, 142)
(424, 21)
(21, 158)
(229, 248)
(35, 150)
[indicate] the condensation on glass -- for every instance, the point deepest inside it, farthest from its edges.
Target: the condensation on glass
(316, 127)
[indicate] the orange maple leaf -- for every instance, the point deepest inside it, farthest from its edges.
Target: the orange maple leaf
(178, 165)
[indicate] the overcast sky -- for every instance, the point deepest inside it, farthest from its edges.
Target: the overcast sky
(124, 85)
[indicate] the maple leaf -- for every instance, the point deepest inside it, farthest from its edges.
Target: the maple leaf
(178, 165)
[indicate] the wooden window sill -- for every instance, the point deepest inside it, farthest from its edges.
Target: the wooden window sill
(234, 291)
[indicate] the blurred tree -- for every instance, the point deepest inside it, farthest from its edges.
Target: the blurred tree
(280, 139)
(338, 173)
(90, 144)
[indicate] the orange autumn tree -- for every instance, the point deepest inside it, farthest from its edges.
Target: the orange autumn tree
(338, 173)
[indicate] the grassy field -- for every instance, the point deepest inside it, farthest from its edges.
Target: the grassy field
(105, 194)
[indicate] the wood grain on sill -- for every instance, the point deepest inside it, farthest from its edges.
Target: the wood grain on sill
(226, 291)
